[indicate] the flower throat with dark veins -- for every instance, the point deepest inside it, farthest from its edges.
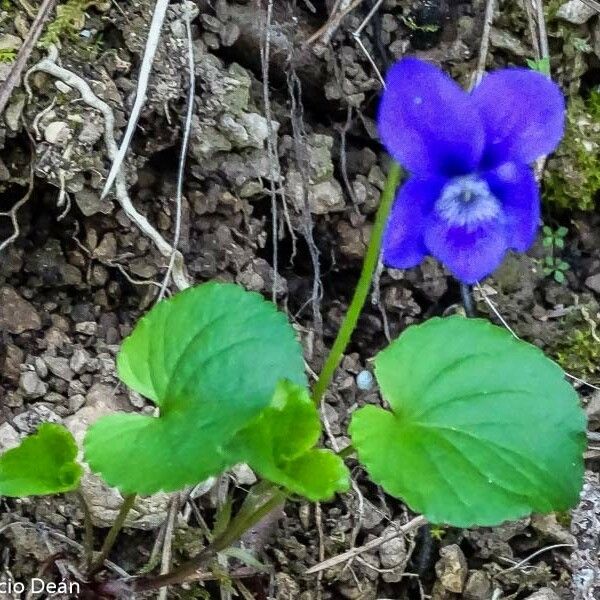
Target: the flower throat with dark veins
(467, 202)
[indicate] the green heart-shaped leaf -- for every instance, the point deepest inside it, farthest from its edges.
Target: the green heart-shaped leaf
(483, 427)
(43, 463)
(210, 358)
(280, 442)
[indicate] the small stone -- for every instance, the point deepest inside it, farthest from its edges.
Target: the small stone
(54, 398)
(10, 42)
(364, 380)
(30, 420)
(12, 363)
(57, 132)
(593, 283)
(9, 438)
(76, 387)
(41, 368)
(32, 385)
(14, 399)
(16, 314)
(229, 34)
(393, 554)
(79, 360)
(99, 394)
(576, 12)
(142, 268)
(499, 38)
(91, 132)
(76, 402)
(136, 400)
(257, 129)
(59, 367)
(548, 526)
(107, 248)
(244, 475)
(452, 569)
(87, 327)
(478, 586)
(89, 203)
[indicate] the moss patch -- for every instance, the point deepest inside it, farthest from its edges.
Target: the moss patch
(580, 355)
(572, 180)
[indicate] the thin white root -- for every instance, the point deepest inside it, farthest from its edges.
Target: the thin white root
(12, 214)
(158, 18)
(48, 65)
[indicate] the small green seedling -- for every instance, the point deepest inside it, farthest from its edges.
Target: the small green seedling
(554, 238)
(556, 268)
(541, 66)
(554, 241)
(7, 55)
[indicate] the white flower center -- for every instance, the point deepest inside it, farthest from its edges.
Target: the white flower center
(467, 202)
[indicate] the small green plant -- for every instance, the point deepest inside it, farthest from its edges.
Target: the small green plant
(70, 19)
(414, 26)
(7, 55)
(556, 268)
(554, 240)
(580, 354)
(541, 66)
(481, 427)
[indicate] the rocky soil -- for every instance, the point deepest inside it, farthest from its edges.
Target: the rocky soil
(283, 176)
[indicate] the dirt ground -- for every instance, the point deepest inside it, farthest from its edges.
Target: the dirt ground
(295, 154)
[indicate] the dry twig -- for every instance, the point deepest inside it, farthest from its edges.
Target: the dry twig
(25, 52)
(187, 128)
(340, 558)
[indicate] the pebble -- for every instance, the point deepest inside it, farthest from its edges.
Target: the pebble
(393, 555)
(76, 402)
(9, 438)
(57, 132)
(593, 283)
(364, 380)
(478, 586)
(79, 360)
(452, 569)
(576, 12)
(87, 327)
(10, 42)
(59, 367)
(17, 314)
(30, 420)
(32, 385)
(41, 368)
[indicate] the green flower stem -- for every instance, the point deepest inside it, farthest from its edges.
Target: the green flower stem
(362, 288)
(88, 535)
(346, 452)
(111, 537)
(269, 499)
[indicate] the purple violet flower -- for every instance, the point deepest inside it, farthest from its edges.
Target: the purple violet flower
(471, 194)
